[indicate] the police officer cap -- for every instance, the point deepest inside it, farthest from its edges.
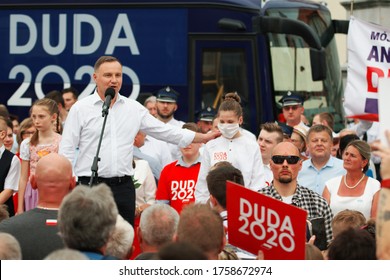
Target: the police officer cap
(167, 94)
(291, 98)
(287, 130)
(207, 114)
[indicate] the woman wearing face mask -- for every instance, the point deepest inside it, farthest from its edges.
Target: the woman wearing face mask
(241, 151)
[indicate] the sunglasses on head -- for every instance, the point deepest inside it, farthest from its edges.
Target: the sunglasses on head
(281, 159)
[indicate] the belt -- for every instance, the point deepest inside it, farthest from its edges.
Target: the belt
(113, 181)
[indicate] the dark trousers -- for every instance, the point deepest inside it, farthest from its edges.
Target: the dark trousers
(123, 191)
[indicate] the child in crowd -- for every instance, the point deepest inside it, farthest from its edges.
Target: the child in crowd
(9, 171)
(45, 140)
(176, 186)
(242, 152)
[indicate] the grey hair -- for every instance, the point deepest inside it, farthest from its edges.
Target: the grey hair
(9, 247)
(87, 217)
(121, 240)
(66, 254)
(158, 224)
(152, 99)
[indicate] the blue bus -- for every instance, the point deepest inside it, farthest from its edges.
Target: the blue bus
(202, 49)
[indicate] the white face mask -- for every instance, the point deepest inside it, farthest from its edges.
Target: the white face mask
(228, 130)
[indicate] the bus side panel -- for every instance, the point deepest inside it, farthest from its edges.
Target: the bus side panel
(43, 50)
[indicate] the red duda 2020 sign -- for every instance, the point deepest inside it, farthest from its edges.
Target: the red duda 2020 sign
(258, 222)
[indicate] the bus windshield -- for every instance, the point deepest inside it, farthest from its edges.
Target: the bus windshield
(291, 67)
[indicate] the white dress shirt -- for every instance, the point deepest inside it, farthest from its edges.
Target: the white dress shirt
(174, 149)
(146, 192)
(157, 149)
(242, 152)
(126, 117)
(12, 180)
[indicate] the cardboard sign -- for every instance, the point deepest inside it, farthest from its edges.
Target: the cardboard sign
(258, 222)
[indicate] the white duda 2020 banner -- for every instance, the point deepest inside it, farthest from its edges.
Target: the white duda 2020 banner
(368, 61)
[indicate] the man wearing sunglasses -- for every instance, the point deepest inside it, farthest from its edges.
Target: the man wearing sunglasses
(285, 164)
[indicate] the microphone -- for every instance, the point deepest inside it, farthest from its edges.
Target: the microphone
(110, 93)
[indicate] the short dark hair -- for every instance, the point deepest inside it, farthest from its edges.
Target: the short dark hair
(328, 117)
(74, 91)
(191, 126)
(319, 128)
(216, 180)
(180, 251)
(353, 244)
(104, 59)
(273, 127)
(56, 95)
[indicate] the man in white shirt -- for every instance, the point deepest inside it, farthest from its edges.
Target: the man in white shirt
(126, 117)
(270, 135)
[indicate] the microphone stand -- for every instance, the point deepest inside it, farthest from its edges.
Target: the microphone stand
(94, 167)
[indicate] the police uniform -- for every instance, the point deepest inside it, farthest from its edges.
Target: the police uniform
(168, 94)
(291, 99)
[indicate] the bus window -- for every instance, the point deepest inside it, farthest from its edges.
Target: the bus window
(291, 68)
(223, 71)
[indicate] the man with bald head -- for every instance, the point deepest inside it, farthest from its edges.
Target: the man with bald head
(285, 164)
(36, 230)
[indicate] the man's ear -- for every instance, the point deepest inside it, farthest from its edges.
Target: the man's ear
(139, 235)
(213, 201)
(72, 183)
(33, 182)
(223, 244)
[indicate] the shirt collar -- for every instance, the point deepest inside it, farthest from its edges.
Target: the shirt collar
(181, 162)
(2, 149)
(96, 98)
(297, 196)
(329, 163)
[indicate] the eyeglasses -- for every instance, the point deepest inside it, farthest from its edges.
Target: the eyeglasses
(290, 159)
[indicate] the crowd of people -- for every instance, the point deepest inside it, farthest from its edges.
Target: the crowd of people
(160, 188)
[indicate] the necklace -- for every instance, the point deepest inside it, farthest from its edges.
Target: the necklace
(345, 182)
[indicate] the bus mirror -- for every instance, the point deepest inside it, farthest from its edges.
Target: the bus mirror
(231, 24)
(318, 64)
(278, 25)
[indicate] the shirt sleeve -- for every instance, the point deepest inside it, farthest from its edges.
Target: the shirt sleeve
(328, 216)
(149, 185)
(201, 191)
(166, 132)
(70, 135)
(12, 180)
(258, 174)
(25, 149)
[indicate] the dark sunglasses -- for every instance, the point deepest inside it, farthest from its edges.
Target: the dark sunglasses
(290, 159)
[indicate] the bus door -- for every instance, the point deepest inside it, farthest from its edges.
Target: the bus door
(222, 66)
